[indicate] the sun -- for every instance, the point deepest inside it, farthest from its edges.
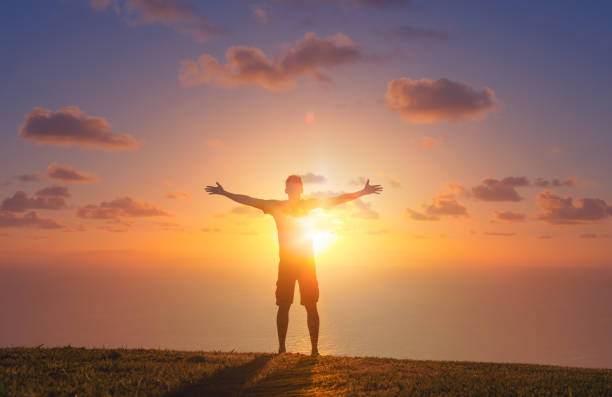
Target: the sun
(323, 241)
(322, 230)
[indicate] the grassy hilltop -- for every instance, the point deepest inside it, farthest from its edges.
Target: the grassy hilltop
(121, 372)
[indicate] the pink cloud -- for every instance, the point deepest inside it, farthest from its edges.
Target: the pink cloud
(250, 66)
(564, 210)
(177, 14)
(492, 189)
(67, 174)
(50, 198)
(123, 207)
(509, 216)
(29, 219)
(70, 126)
(428, 101)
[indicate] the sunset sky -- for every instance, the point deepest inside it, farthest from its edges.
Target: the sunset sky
(487, 123)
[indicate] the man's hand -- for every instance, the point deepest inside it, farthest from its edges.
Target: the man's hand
(215, 189)
(369, 189)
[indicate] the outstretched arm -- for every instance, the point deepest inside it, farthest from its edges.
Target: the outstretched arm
(239, 198)
(343, 198)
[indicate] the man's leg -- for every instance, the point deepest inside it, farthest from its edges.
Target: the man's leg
(282, 322)
(313, 326)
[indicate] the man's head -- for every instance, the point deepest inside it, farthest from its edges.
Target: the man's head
(293, 186)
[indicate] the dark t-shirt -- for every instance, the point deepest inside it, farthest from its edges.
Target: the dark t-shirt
(294, 228)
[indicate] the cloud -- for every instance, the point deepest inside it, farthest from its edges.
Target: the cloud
(364, 210)
(426, 142)
(177, 195)
(210, 230)
(30, 177)
(363, 3)
(178, 14)
(413, 32)
(123, 207)
(69, 126)
(50, 198)
(215, 143)
(428, 101)
(250, 66)
(509, 216)
(555, 182)
(53, 191)
(377, 3)
(311, 178)
(394, 182)
(245, 210)
(378, 232)
(67, 174)
(29, 219)
(492, 189)
(442, 204)
(499, 234)
(171, 226)
(562, 210)
(261, 14)
(358, 181)
(114, 228)
(594, 235)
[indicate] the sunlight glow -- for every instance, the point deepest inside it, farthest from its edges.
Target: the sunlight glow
(322, 230)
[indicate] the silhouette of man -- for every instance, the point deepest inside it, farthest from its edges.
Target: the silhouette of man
(296, 251)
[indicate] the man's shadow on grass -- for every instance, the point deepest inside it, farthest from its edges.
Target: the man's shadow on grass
(287, 376)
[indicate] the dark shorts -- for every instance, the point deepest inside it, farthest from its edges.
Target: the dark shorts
(305, 274)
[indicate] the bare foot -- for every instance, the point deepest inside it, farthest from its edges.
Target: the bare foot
(314, 353)
(282, 350)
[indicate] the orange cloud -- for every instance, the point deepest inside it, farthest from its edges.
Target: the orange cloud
(67, 174)
(499, 234)
(261, 14)
(69, 126)
(442, 204)
(215, 142)
(562, 210)
(250, 66)
(394, 182)
(428, 101)
(123, 207)
(245, 210)
(594, 235)
(426, 142)
(177, 195)
(171, 226)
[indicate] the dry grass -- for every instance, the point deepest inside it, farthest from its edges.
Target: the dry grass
(130, 372)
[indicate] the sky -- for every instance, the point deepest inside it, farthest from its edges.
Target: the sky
(487, 123)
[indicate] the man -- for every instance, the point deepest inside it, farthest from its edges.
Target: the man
(295, 249)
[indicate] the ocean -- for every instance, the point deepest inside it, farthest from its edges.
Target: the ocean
(542, 315)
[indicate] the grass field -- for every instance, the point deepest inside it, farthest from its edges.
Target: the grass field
(72, 371)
